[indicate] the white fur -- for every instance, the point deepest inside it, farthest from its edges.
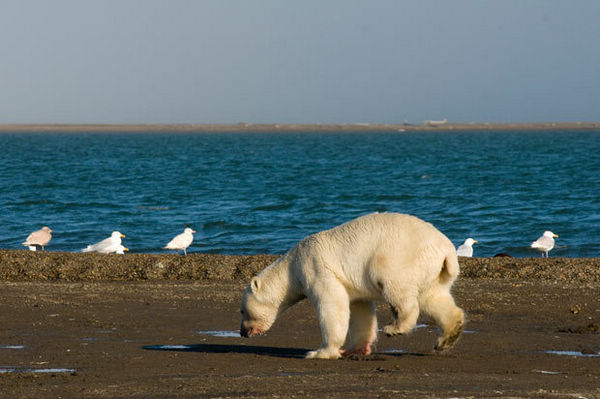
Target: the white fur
(396, 258)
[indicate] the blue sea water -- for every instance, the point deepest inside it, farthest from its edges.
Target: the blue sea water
(262, 192)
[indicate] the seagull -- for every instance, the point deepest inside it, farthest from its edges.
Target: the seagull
(106, 246)
(121, 250)
(39, 238)
(181, 241)
(466, 248)
(545, 243)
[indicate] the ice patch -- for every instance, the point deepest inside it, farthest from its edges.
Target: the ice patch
(12, 346)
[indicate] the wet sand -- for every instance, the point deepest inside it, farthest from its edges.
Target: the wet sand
(125, 326)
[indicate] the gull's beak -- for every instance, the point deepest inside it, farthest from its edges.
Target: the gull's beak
(475, 241)
(555, 235)
(193, 231)
(122, 235)
(125, 249)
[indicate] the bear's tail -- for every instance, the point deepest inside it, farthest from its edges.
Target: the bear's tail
(450, 269)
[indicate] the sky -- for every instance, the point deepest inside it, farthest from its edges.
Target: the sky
(309, 61)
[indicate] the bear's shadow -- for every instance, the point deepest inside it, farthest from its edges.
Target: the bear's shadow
(297, 353)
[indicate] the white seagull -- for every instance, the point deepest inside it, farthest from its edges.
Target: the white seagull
(106, 246)
(466, 248)
(39, 238)
(121, 250)
(545, 243)
(181, 241)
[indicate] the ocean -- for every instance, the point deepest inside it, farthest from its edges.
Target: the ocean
(252, 193)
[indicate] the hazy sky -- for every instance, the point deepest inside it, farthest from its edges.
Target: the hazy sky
(311, 61)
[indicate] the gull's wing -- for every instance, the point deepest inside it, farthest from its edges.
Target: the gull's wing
(39, 237)
(543, 242)
(180, 241)
(464, 250)
(105, 246)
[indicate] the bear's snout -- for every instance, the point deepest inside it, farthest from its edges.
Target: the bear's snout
(246, 330)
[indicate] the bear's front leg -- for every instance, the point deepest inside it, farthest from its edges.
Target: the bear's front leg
(406, 313)
(333, 311)
(363, 328)
(440, 305)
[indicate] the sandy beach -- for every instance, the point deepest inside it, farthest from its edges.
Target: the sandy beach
(154, 326)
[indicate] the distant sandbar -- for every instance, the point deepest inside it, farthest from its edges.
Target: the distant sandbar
(277, 127)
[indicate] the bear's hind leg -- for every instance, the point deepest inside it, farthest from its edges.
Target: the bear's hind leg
(440, 305)
(333, 311)
(363, 328)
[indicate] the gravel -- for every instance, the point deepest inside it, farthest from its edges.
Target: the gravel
(22, 265)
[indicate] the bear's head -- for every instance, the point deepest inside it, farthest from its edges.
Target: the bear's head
(258, 309)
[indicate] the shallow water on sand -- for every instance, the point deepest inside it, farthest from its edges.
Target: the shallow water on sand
(261, 193)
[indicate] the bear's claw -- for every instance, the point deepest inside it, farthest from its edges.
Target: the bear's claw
(391, 330)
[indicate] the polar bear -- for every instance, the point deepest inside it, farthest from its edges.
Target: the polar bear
(397, 258)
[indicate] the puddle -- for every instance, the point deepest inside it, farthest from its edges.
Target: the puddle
(418, 326)
(171, 347)
(573, 353)
(49, 371)
(12, 346)
(6, 370)
(218, 333)
(393, 351)
(431, 327)
(168, 347)
(15, 370)
(548, 372)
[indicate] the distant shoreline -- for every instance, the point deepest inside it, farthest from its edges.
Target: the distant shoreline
(283, 127)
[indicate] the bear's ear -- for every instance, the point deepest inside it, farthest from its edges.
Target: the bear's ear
(254, 284)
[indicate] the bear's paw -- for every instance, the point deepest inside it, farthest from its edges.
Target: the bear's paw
(324, 354)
